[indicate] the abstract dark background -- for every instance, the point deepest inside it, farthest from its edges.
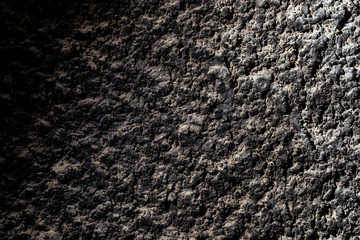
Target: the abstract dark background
(179, 119)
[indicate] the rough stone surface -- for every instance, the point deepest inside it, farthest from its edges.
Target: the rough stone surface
(179, 119)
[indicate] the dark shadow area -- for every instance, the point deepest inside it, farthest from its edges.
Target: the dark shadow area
(27, 62)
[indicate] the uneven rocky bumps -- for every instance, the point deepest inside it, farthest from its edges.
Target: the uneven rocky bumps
(179, 119)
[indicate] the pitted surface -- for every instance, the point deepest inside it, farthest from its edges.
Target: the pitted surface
(180, 119)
